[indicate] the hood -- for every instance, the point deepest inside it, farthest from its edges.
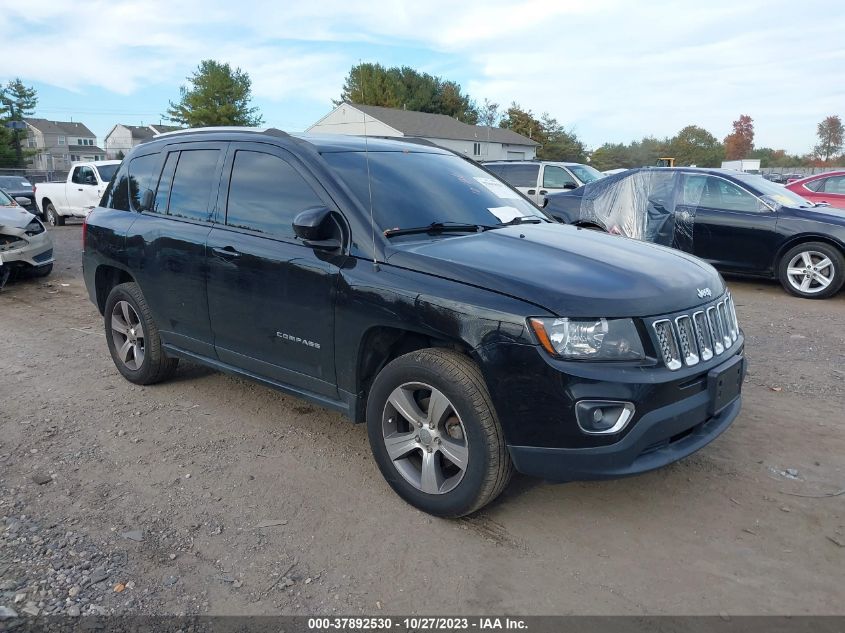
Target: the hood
(14, 217)
(832, 215)
(567, 271)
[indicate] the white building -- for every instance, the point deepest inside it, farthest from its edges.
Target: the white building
(121, 138)
(474, 141)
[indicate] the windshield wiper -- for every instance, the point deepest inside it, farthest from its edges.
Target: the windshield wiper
(437, 227)
(522, 219)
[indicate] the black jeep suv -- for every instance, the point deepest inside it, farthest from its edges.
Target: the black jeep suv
(410, 289)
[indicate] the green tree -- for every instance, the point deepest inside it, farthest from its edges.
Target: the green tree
(830, 133)
(560, 144)
(16, 102)
(523, 122)
(407, 88)
(694, 145)
(217, 95)
(770, 157)
(488, 113)
(612, 156)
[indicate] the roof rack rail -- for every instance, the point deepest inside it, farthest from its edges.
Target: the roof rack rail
(225, 128)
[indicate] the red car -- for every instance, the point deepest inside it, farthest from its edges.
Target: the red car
(829, 187)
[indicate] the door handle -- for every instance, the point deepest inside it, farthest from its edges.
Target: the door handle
(80, 189)
(531, 192)
(543, 192)
(226, 253)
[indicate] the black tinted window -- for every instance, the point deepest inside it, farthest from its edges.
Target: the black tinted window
(143, 178)
(77, 175)
(163, 193)
(195, 178)
(266, 194)
(519, 175)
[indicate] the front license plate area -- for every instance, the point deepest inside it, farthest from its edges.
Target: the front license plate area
(724, 384)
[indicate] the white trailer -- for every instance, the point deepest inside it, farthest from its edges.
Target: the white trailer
(751, 165)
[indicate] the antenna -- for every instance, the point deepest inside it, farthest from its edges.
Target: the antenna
(367, 160)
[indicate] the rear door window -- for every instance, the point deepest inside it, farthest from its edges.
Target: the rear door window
(834, 184)
(194, 182)
(519, 175)
(266, 193)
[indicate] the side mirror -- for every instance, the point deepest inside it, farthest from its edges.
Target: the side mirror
(24, 202)
(315, 227)
(544, 203)
(570, 185)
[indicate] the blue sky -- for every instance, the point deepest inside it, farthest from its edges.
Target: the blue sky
(612, 70)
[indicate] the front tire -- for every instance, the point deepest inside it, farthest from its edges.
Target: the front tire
(42, 271)
(813, 270)
(133, 338)
(53, 217)
(435, 435)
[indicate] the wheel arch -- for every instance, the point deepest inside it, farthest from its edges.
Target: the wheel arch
(796, 240)
(106, 277)
(380, 344)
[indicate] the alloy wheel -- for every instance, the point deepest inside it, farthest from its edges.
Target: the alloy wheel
(425, 438)
(128, 335)
(810, 272)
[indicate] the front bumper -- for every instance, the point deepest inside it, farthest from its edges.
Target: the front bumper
(38, 251)
(660, 437)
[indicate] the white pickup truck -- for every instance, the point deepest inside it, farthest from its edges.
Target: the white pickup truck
(77, 195)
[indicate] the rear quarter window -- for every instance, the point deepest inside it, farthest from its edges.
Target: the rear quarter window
(143, 178)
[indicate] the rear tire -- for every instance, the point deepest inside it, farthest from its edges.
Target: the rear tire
(450, 458)
(53, 217)
(133, 338)
(812, 270)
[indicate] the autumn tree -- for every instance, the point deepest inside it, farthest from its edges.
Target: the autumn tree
(406, 88)
(830, 133)
(16, 102)
(740, 142)
(217, 95)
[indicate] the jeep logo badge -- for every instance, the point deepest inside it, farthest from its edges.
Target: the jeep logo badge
(704, 292)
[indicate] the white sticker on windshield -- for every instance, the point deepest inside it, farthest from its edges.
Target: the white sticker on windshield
(498, 188)
(505, 214)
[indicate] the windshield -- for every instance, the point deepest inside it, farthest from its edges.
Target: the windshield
(414, 189)
(107, 171)
(585, 173)
(14, 183)
(778, 193)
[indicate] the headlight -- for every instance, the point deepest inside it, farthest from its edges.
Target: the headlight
(34, 228)
(589, 339)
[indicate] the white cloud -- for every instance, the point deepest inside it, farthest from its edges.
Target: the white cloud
(612, 68)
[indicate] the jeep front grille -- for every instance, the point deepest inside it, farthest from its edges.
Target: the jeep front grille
(699, 336)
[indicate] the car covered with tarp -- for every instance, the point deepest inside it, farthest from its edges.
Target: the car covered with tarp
(741, 223)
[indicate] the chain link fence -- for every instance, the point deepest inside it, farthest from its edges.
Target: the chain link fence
(36, 175)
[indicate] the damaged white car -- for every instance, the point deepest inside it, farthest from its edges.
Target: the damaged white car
(25, 246)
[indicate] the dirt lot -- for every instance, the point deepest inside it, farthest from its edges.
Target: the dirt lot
(209, 494)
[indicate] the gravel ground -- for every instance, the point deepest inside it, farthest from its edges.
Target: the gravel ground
(212, 495)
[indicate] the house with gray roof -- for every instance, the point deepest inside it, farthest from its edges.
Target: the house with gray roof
(474, 141)
(57, 144)
(121, 138)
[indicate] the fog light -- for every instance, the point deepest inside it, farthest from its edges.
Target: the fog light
(603, 417)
